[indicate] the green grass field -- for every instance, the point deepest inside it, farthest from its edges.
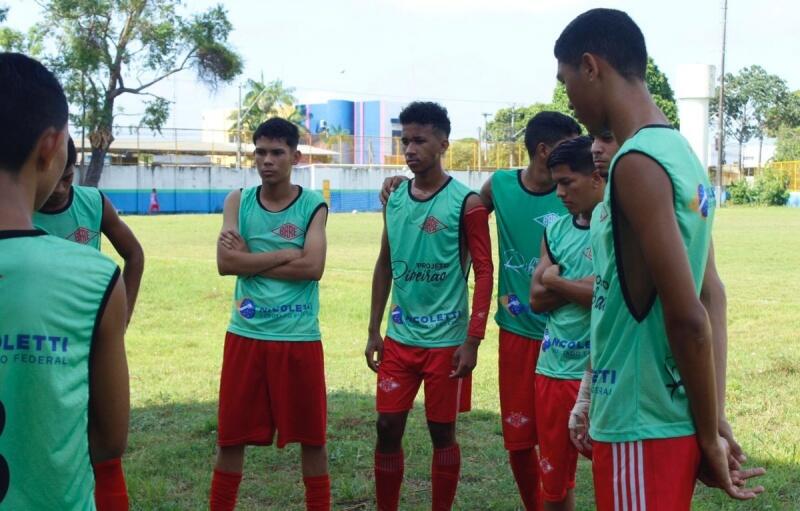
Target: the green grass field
(175, 349)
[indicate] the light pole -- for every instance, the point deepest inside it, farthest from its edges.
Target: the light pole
(721, 111)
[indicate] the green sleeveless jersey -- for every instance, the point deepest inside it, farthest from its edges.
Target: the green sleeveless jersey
(637, 392)
(429, 271)
(52, 294)
(79, 220)
(564, 353)
(521, 216)
(272, 309)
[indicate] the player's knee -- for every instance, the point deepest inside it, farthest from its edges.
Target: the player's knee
(443, 434)
(390, 429)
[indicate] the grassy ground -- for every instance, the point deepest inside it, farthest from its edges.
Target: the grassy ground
(175, 349)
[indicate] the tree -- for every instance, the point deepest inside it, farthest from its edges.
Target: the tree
(757, 104)
(500, 129)
(788, 148)
(104, 49)
(661, 91)
(265, 100)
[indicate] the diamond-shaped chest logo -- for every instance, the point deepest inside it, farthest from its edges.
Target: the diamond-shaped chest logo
(432, 225)
(546, 220)
(587, 253)
(288, 231)
(82, 235)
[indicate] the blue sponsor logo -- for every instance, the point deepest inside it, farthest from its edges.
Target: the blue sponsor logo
(397, 315)
(247, 309)
(546, 340)
(702, 200)
(515, 307)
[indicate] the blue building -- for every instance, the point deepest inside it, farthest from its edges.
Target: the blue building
(373, 125)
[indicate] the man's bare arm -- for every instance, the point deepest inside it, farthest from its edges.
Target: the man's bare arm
(381, 286)
(128, 247)
(109, 404)
(311, 264)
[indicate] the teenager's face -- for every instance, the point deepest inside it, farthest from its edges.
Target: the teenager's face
(604, 148)
(579, 192)
(583, 96)
(60, 194)
(423, 146)
(274, 160)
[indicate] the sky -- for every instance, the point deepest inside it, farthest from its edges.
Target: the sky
(473, 56)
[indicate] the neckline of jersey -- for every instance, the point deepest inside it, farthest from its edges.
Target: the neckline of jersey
(531, 192)
(20, 233)
(411, 181)
(63, 208)
(258, 200)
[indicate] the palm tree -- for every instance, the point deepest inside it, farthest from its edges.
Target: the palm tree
(265, 100)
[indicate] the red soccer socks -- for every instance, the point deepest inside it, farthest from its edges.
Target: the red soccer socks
(388, 478)
(444, 476)
(318, 493)
(224, 487)
(525, 465)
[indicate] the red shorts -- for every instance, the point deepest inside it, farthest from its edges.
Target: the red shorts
(656, 475)
(271, 385)
(402, 370)
(517, 371)
(558, 458)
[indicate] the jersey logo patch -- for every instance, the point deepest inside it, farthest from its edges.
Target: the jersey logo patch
(432, 225)
(545, 465)
(247, 309)
(388, 384)
(587, 253)
(603, 213)
(517, 420)
(546, 220)
(288, 231)
(703, 200)
(83, 235)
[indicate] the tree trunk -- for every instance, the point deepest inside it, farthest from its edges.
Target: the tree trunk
(100, 140)
(741, 169)
(760, 145)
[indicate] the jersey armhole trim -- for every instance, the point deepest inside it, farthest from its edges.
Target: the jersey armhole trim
(98, 317)
(313, 214)
(547, 247)
(618, 244)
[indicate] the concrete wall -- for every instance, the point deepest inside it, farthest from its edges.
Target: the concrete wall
(203, 189)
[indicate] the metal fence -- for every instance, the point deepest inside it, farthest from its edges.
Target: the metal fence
(135, 145)
(791, 169)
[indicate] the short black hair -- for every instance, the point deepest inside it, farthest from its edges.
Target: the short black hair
(575, 153)
(607, 33)
(426, 112)
(548, 128)
(31, 101)
(72, 154)
(278, 128)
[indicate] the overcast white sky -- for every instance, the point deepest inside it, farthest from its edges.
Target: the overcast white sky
(473, 56)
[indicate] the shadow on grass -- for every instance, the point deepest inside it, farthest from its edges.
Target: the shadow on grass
(171, 454)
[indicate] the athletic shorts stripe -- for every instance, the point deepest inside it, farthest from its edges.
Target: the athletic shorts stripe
(629, 481)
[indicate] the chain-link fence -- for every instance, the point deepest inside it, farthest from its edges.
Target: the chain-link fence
(203, 147)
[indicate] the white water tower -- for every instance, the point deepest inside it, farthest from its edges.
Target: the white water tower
(694, 88)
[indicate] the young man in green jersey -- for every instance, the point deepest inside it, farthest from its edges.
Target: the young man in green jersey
(562, 286)
(656, 390)
(524, 202)
(64, 399)
(434, 228)
(273, 240)
(81, 213)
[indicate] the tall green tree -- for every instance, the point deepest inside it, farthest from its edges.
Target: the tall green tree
(500, 127)
(757, 104)
(103, 49)
(262, 101)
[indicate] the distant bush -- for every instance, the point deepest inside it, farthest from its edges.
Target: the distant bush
(772, 188)
(741, 193)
